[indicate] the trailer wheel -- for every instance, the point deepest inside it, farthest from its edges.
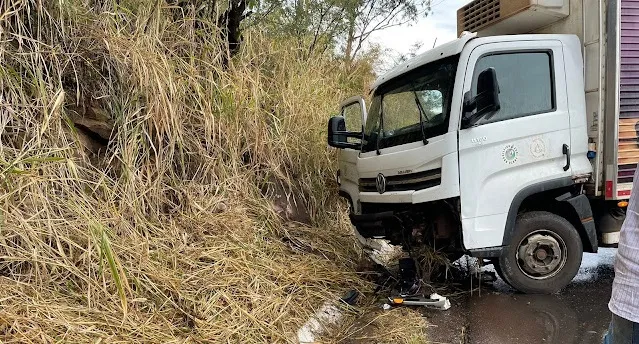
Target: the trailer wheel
(544, 254)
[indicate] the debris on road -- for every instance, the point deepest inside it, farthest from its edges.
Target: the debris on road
(328, 314)
(315, 326)
(434, 301)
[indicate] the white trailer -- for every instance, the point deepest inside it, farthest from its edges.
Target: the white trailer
(516, 143)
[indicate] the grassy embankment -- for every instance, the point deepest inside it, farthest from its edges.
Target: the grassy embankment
(138, 176)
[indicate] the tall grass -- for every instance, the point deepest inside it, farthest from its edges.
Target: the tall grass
(163, 233)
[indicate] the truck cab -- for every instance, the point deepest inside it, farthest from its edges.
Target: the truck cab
(478, 146)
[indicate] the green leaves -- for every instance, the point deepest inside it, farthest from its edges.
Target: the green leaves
(323, 25)
(107, 254)
(252, 4)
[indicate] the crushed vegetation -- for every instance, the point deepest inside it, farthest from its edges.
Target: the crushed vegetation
(155, 189)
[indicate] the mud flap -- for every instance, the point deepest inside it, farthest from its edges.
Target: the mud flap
(581, 205)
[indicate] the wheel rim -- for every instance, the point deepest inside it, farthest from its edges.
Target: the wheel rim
(541, 255)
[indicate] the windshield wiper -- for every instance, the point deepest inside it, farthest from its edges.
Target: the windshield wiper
(422, 115)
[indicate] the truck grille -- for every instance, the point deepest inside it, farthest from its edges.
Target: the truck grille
(415, 181)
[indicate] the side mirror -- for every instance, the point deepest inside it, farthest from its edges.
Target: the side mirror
(487, 98)
(338, 136)
(486, 102)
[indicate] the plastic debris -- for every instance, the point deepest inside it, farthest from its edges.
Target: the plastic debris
(435, 301)
(446, 305)
(328, 314)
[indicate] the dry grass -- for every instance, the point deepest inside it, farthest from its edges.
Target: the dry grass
(162, 234)
(373, 325)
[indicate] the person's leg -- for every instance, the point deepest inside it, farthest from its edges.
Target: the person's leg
(622, 331)
(606, 338)
(607, 335)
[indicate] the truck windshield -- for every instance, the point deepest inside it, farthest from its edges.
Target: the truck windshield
(412, 107)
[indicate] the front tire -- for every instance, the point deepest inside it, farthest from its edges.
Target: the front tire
(498, 270)
(544, 254)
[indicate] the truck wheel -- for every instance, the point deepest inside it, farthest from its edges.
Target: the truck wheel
(498, 270)
(544, 254)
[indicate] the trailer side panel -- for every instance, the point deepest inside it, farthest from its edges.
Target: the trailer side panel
(628, 153)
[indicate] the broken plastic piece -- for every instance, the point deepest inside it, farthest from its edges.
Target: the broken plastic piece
(435, 301)
(446, 305)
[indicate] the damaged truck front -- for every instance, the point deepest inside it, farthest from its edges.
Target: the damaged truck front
(479, 146)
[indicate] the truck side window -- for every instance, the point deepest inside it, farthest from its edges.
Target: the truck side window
(353, 117)
(353, 120)
(525, 83)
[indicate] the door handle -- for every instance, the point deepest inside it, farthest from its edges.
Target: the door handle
(566, 151)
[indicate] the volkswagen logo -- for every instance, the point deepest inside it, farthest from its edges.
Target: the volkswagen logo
(380, 183)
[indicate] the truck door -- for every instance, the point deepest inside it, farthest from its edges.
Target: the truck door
(525, 143)
(354, 112)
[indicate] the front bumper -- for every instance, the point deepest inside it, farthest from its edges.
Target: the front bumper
(374, 225)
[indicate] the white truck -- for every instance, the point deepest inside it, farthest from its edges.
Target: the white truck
(516, 143)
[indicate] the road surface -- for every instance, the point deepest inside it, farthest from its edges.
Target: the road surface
(578, 314)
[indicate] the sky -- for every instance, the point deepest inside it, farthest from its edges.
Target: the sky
(440, 25)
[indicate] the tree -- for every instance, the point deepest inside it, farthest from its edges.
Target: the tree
(365, 17)
(314, 25)
(227, 15)
(320, 25)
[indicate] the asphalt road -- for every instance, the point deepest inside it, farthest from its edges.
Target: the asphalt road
(578, 314)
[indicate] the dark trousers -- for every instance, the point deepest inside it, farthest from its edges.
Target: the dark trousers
(622, 331)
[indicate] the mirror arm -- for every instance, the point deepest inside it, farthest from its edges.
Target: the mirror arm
(338, 135)
(342, 145)
(349, 134)
(470, 104)
(468, 119)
